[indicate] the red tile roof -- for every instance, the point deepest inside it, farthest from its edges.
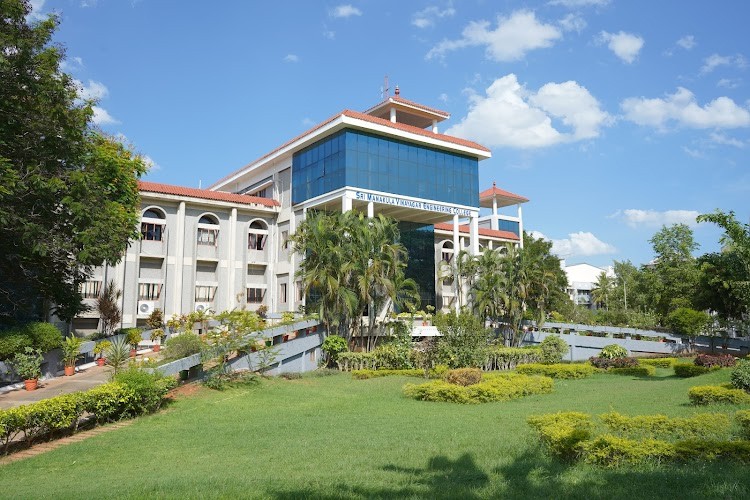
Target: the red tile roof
(506, 235)
(365, 117)
(153, 187)
(407, 102)
(494, 190)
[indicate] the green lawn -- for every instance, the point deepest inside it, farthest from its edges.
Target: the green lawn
(334, 437)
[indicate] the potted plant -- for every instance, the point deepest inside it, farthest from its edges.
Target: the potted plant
(100, 349)
(71, 351)
(116, 354)
(28, 366)
(133, 337)
(156, 336)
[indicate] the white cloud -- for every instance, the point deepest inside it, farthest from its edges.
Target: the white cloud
(687, 42)
(36, 13)
(91, 91)
(728, 83)
(345, 10)
(427, 16)
(682, 108)
(329, 34)
(653, 218)
(725, 140)
(626, 46)
(293, 58)
(151, 165)
(443, 97)
(510, 115)
(102, 117)
(715, 60)
(510, 41)
(582, 244)
(71, 64)
(579, 3)
(693, 153)
(573, 22)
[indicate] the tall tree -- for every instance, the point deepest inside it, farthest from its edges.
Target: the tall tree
(603, 290)
(69, 195)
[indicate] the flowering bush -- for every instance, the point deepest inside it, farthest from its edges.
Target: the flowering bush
(710, 360)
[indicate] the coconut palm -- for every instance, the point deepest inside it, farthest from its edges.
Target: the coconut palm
(603, 289)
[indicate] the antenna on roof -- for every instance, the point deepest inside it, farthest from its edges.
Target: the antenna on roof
(200, 184)
(384, 89)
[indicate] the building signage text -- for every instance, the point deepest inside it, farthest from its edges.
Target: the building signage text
(418, 205)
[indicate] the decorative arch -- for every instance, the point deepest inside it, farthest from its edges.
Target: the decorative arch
(257, 234)
(153, 223)
(208, 229)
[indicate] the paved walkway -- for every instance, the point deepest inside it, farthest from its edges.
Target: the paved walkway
(81, 381)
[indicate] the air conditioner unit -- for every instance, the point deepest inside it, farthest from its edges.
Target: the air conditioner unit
(146, 307)
(203, 306)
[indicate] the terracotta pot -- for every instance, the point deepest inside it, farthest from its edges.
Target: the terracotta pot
(31, 384)
(70, 370)
(100, 362)
(133, 353)
(156, 347)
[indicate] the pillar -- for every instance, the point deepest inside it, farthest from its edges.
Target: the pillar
(493, 220)
(370, 210)
(474, 234)
(346, 204)
(232, 271)
(520, 224)
(393, 115)
(456, 249)
(434, 127)
(179, 262)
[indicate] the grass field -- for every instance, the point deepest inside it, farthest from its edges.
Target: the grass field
(334, 437)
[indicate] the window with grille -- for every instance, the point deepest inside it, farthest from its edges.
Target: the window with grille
(149, 291)
(207, 236)
(205, 293)
(282, 293)
(152, 231)
(90, 289)
(255, 295)
(256, 241)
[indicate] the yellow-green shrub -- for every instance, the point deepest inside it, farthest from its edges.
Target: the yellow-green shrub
(498, 387)
(463, 376)
(367, 374)
(743, 418)
(560, 371)
(685, 370)
(701, 450)
(658, 362)
(716, 394)
(507, 358)
(562, 432)
(612, 451)
(699, 426)
(634, 371)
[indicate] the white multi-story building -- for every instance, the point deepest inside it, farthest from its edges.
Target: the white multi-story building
(227, 246)
(582, 280)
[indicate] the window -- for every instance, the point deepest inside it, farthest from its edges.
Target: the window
(447, 253)
(262, 193)
(205, 293)
(90, 289)
(282, 293)
(255, 295)
(257, 236)
(207, 236)
(285, 240)
(300, 291)
(149, 291)
(152, 225)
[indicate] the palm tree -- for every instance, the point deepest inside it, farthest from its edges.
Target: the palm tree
(603, 289)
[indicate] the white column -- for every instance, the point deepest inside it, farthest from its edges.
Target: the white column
(456, 249)
(346, 203)
(179, 261)
(494, 213)
(231, 273)
(291, 288)
(304, 216)
(393, 115)
(370, 210)
(474, 234)
(434, 127)
(520, 224)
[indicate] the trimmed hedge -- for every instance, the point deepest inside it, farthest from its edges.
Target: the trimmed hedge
(562, 432)
(712, 360)
(685, 370)
(715, 394)
(613, 451)
(696, 450)
(607, 363)
(508, 358)
(367, 374)
(498, 387)
(699, 426)
(658, 362)
(131, 395)
(635, 371)
(463, 376)
(743, 418)
(559, 371)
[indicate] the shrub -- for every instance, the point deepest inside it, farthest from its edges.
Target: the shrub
(658, 362)
(699, 426)
(464, 340)
(606, 363)
(463, 376)
(367, 374)
(133, 336)
(182, 345)
(334, 345)
(688, 321)
(553, 349)
(507, 358)
(718, 360)
(685, 370)
(393, 356)
(559, 371)
(348, 361)
(28, 364)
(713, 394)
(108, 402)
(613, 351)
(612, 451)
(740, 376)
(44, 336)
(499, 387)
(12, 341)
(147, 390)
(562, 432)
(634, 371)
(700, 450)
(743, 418)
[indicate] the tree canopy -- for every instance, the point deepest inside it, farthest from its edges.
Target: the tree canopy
(68, 192)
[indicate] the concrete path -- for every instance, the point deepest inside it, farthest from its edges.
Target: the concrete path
(84, 379)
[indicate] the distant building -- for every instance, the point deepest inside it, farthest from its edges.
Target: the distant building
(582, 279)
(227, 246)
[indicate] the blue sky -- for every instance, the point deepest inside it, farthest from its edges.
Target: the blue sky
(614, 117)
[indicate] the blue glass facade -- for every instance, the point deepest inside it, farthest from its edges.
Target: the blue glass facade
(368, 161)
(509, 225)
